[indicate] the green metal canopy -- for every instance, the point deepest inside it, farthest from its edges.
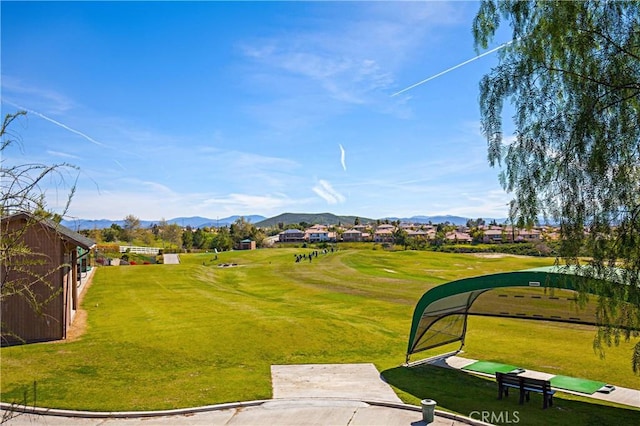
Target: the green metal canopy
(547, 293)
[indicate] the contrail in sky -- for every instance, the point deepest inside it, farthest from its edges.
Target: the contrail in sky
(57, 123)
(119, 164)
(453, 68)
(344, 165)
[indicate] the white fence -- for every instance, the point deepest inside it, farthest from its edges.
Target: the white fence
(140, 250)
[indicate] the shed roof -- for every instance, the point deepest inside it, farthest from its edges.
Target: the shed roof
(63, 232)
(292, 231)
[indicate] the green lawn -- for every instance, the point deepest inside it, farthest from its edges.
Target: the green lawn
(170, 336)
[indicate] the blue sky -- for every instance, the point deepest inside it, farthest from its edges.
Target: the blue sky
(235, 108)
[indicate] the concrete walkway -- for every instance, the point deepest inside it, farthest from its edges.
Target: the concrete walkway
(171, 259)
(274, 412)
(349, 381)
(318, 394)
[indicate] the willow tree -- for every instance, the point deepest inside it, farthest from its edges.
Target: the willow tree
(572, 76)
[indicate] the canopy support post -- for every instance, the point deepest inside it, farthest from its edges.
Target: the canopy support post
(464, 330)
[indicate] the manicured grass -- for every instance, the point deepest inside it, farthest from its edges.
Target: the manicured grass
(472, 395)
(554, 348)
(169, 336)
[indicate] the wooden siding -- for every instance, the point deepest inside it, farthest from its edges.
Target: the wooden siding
(50, 253)
(247, 245)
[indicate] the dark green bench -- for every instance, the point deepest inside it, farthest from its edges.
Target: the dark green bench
(525, 386)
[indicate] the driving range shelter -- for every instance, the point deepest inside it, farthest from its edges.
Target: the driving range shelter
(545, 294)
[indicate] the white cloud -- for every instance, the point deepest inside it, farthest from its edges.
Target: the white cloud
(342, 158)
(249, 203)
(62, 154)
(152, 201)
(345, 78)
(36, 97)
(343, 59)
(355, 57)
(244, 170)
(328, 193)
(251, 160)
(491, 203)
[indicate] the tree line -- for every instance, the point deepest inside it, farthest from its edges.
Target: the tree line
(174, 235)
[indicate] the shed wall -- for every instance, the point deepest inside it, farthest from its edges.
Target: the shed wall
(46, 279)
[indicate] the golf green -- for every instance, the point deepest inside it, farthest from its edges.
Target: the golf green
(576, 385)
(489, 367)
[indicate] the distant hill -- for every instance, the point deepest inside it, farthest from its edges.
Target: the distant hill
(311, 218)
(78, 224)
(201, 222)
(331, 219)
(194, 222)
(261, 221)
(454, 220)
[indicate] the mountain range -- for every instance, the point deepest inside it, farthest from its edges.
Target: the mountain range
(194, 222)
(261, 221)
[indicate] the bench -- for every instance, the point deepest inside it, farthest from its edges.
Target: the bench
(525, 385)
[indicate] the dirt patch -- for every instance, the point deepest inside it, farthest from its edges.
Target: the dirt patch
(78, 327)
(79, 324)
(490, 255)
(497, 255)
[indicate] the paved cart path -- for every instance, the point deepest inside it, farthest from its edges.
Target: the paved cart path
(171, 259)
(351, 381)
(318, 394)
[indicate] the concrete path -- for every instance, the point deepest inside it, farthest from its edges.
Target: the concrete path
(317, 394)
(620, 395)
(308, 412)
(349, 381)
(171, 259)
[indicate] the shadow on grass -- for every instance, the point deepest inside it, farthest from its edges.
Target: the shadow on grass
(477, 397)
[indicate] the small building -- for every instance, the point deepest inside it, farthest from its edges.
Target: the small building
(492, 236)
(459, 237)
(247, 245)
(420, 233)
(529, 235)
(510, 234)
(316, 235)
(384, 235)
(49, 271)
(352, 235)
(291, 236)
(385, 227)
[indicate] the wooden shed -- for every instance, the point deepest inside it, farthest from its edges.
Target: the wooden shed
(40, 281)
(247, 245)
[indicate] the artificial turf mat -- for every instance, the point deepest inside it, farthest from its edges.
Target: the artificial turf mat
(576, 385)
(489, 367)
